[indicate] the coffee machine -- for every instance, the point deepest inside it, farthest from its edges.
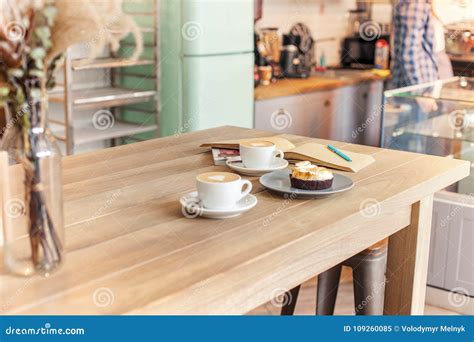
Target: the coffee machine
(297, 52)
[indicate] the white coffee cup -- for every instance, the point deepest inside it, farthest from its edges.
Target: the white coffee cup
(259, 154)
(221, 190)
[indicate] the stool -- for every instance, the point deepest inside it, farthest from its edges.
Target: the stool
(368, 272)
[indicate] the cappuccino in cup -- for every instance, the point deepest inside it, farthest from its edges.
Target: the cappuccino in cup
(221, 190)
(259, 154)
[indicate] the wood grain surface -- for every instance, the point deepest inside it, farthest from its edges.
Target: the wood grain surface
(130, 250)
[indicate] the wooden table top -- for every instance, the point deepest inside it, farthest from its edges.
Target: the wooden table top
(130, 250)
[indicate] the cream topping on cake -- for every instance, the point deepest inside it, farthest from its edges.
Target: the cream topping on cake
(307, 171)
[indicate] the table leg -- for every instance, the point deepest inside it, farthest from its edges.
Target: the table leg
(288, 309)
(407, 264)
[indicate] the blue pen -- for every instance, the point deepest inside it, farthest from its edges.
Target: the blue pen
(339, 153)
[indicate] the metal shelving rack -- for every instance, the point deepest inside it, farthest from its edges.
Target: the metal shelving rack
(110, 98)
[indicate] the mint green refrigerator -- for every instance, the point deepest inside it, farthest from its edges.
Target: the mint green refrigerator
(206, 63)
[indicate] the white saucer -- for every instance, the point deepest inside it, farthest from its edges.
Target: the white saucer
(238, 166)
(191, 207)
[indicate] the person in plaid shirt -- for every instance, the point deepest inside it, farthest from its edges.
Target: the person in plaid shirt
(418, 56)
(414, 59)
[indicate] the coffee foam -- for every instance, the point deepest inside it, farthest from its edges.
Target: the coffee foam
(218, 177)
(257, 143)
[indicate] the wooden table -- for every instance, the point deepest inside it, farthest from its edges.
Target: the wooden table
(130, 250)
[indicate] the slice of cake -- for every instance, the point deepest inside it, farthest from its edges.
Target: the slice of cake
(307, 176)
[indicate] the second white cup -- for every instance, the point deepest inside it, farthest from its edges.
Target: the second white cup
(259, 154)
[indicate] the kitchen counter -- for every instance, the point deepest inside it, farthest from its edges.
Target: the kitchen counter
(332, 80)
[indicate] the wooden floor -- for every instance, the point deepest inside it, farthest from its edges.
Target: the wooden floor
(344, 304)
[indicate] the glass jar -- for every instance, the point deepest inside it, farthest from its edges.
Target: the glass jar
(32, 191)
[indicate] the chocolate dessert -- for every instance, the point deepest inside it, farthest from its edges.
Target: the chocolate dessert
(307, 176)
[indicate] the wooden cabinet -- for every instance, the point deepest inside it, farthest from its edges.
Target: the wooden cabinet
(350, 113)
(298, 114)
(452, 243)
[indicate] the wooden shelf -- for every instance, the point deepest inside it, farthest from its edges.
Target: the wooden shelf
(147, 29)
(100, 63)
(93, 98)
(86, 94)
(142, 29)
(84, 135)
(145, 14)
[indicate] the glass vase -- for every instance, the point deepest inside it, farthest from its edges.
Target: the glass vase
(32, 191)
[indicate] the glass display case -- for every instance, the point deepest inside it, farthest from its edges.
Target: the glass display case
(435, 118)
(438, 119)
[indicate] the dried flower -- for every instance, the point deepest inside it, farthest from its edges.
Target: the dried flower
(34, 35)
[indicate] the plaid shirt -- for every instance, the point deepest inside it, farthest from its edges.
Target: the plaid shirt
(413, 54)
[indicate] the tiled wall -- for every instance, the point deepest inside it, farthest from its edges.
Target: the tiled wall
(325, 18)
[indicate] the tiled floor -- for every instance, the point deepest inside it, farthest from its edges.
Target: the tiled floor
(344, 304)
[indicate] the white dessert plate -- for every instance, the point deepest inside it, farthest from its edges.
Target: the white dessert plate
(238, 166)
(191, 207)
(279, 181)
